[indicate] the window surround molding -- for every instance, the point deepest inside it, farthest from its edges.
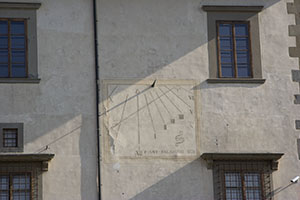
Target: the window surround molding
(34, 164)
(233, 13)
(25, 11)
(20, 137)
(272, 157)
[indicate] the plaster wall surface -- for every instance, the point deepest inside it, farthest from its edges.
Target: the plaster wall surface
(60, 110)
(167, 40)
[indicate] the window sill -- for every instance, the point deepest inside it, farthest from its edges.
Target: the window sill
(236, 80)
(20, 80)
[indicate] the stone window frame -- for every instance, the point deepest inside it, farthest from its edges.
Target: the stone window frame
(26, 11)
(20, 137)
(262, 163)
(234, 13)
(33, 164)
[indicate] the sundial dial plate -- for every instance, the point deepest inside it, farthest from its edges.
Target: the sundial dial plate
(150, 118)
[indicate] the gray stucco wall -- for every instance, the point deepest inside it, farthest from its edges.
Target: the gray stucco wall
(60, 110)
(148, 40)
(168, 40)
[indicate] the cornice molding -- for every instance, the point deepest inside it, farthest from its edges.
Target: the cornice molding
(212, 8)
(20, 157)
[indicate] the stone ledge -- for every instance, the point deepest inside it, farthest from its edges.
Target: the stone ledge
(297, 99)
(236, 80)
(294, 52)
(20, 157)
(297, 124)
(293, 8)
(294, 30)
(20, 5)
(20, 80)
(296, 75)
(211, 8)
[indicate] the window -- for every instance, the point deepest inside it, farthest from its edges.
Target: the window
(245, 176)
(234, 49)
(21, 175)
(243, 180)
(11, 137)
(233, 44)
(18, 43)
(243, 185)
(13, 51)
(15, 186)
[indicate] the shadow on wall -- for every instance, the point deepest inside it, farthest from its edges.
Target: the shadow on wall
(185, 183)
(141, 39)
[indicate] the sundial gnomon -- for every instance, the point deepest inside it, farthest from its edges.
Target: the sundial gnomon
(151, 118)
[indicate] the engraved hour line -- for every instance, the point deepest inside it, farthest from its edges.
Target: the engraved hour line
(106, 111)
(151, 118)
(109, 96)
(113, 126)
(163, 104)
(157, 108)
(138, 118)
(179, 97)
(122, 115)
(171, 101)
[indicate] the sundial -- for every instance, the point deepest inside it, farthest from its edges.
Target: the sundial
(149, 118)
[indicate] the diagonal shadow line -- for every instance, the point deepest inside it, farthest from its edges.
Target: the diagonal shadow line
(132, 97)
(278, 190)
(45, 147)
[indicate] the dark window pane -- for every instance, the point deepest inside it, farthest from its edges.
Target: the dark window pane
(242, 43)
(21, 182)
(3, 56)
(226, 57)
(234, 194)
(232, 179)
(225, 43)
(225, 29)
(17, 27)
(3, 27)
(253, 194)
(252, 180)
(242, 57)
(17, 42)
(4, 182)
(18, 70)
(241, 29)
(3, 70)
(3, 42)
(227, 70)
(10, 137)
(4, 195)
(244, 71)
(18, 57)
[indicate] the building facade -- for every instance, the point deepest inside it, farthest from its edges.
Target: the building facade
(149, 100)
